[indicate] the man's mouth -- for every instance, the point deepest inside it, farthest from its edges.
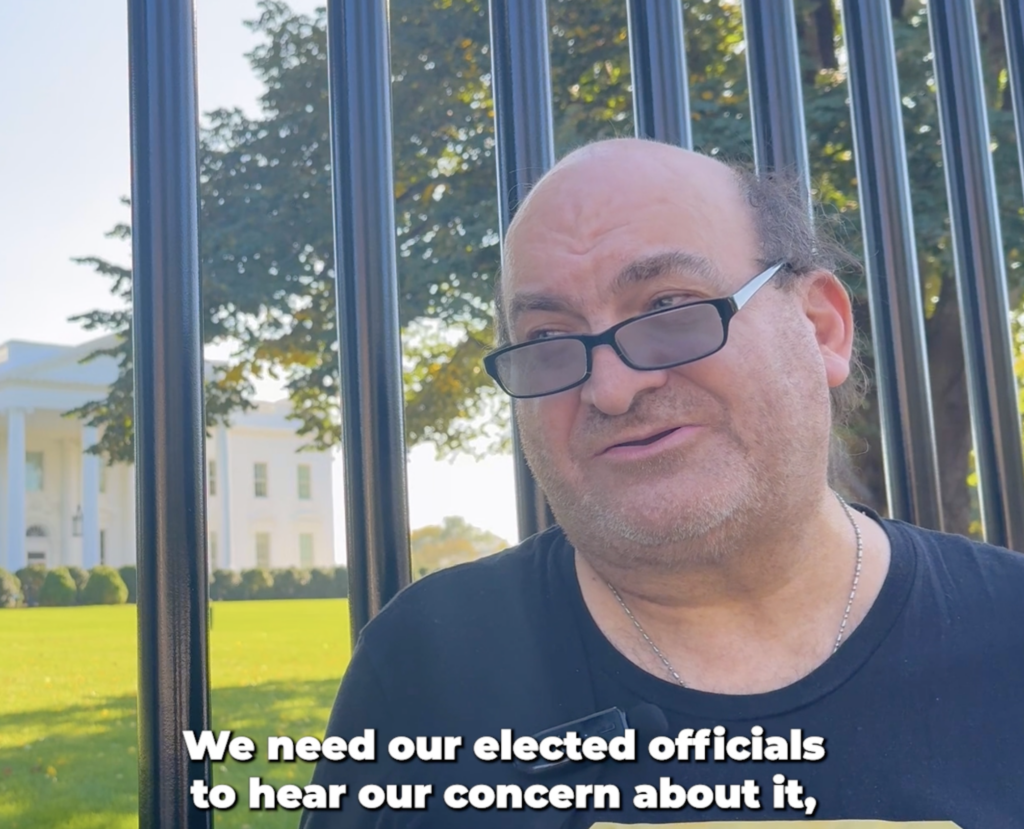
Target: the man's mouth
(648, 444)
(647, 440)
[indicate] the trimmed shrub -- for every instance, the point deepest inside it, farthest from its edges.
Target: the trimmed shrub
(10, 589)
(31, 578)
(321, 583)
(129, 575)
(341, 582)
(257, 583)
(59, 589)
(81, 577)
(291, 583)
(105, 586)
(226, 585)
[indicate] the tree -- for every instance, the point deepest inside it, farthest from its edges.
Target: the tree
(453, 542)
(59, 589)
(105, 586)
(267, 250)
(31, 578)
(10, 589)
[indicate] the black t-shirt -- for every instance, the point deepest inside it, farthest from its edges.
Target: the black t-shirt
(921, 709)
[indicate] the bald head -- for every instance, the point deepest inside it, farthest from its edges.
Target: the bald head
(758, 219)
(611, 176)
(664, 197)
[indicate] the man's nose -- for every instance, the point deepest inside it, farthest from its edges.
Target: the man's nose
(612, 385)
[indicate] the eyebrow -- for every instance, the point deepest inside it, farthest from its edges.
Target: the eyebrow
(659, 264)
(639, 270)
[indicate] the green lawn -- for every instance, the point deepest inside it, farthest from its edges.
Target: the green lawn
(67, 705)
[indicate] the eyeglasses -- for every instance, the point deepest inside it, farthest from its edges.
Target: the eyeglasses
(665, 338)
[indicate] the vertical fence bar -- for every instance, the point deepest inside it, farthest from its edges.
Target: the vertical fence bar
(524, 134)
(894, 293)
(776, 98)
(169, 425)
(980, 273)
(1013, 25)
(373, 437)
(661, 95)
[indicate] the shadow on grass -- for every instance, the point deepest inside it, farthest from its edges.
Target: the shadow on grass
(83, 774)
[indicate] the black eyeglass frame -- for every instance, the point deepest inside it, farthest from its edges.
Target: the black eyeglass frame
(727, 308)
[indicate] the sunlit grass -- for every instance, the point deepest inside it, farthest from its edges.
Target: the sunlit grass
(67, 705)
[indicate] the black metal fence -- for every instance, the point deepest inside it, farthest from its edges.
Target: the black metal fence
(172, 571)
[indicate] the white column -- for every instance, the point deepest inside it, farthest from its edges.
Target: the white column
(15, 489)
(224, 493)
(90, 500)
(63, 552)
(126, 529)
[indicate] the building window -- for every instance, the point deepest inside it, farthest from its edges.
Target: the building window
(260, 480)
(103, 478)
(213, 547)
(306, 549)
(103, 546)
(34, 471)
(262, 549)
(212, 478)
(305, 482)
(34, 532)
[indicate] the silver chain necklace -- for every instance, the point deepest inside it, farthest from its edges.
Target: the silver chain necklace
(842, 625)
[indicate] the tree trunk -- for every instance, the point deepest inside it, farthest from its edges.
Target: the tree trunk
(824, 30)
(863, 477)
(951, 410)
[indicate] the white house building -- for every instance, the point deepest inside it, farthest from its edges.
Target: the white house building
(268, 503)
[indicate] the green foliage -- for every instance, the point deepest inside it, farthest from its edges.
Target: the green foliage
(129, 574)
(81, 577)
(225, 585)
(31, 579)
(321, 583)
(59, 589)
(105, 586)
(291, 583)
(257, 583)
(454, 542)
(10, 589)
(340, 582)
(285, 583)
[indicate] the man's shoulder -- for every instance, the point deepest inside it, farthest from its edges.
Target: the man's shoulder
(495, 630)
(493, 587)
(969, 572)
(960, 552)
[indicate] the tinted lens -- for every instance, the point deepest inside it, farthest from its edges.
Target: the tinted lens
(542, 367)
(686, 333)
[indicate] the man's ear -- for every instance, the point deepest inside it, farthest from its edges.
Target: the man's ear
(828, 308)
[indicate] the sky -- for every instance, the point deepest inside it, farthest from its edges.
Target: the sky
(65, 164)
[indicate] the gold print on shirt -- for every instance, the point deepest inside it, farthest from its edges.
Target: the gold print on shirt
(784, 825)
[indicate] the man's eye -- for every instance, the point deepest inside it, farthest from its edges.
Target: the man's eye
(669, 301)
(542, 334)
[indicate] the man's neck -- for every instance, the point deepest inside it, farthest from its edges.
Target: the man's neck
(749, 622)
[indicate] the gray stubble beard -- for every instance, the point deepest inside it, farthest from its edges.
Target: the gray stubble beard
(710, 529)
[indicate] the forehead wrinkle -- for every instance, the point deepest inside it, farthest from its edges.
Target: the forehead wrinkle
(651, 267)
(525, 301)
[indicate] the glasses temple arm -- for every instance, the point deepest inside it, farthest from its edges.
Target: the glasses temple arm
(743, 295)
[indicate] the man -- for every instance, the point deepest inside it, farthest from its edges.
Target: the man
(671, 334)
